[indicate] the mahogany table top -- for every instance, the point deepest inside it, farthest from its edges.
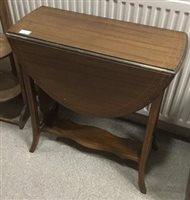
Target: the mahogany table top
(156, 48)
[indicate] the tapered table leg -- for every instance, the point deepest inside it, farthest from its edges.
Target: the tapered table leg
(151, 124)
(24, 115)
(30, 91)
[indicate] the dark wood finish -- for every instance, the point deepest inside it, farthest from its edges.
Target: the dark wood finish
(48, 107)
(9, 87)
(5, 15)
(24, 115)
(128, 41)
(32, 103)
(6, 20)
(11, 84)
(97, 87)
(151, 124)
(5, 48)
(18, 120)
(16, 69)
(96, 67)
(13, 65)
(95, 138)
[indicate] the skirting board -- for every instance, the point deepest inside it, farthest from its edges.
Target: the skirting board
(170, 129)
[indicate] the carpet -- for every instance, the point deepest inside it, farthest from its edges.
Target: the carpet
(58, 171)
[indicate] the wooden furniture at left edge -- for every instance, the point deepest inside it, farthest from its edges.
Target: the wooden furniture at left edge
(12, 83)
(99, 67)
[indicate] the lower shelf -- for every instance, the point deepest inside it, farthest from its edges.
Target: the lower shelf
(14, 111)
(95, 138)
(9, 87)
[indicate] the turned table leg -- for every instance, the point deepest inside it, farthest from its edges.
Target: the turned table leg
(29, 84)
(151, 124)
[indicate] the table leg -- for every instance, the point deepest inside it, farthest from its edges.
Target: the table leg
(24, 115)
(32, 103)
(48, 107)
(151, 124)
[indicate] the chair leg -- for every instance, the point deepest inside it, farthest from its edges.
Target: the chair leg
(32, 103)
(151, 124)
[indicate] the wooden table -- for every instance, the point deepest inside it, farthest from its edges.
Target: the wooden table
(98, 67)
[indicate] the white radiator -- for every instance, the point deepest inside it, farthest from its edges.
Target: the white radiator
(166, 14)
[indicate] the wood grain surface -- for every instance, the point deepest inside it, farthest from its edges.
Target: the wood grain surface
(95, 138)
(9, 86)
(82, 62)
(87, 84)
(5, 15)
(138, 43)
(5, 48)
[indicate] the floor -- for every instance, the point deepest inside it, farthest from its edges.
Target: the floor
(58, 171)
